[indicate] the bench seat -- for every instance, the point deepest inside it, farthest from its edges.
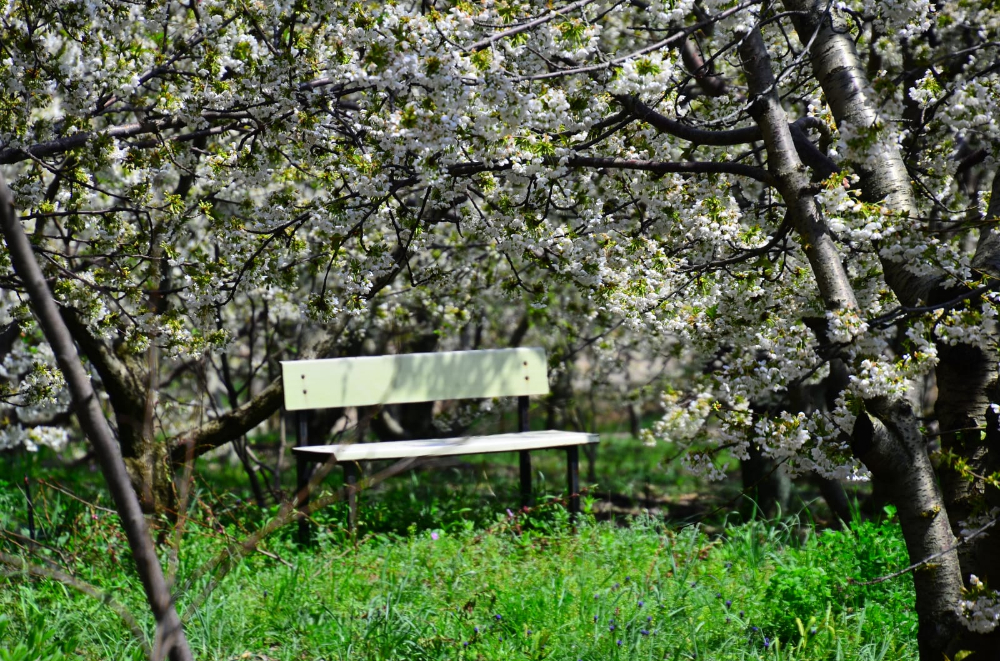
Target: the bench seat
(441, 447)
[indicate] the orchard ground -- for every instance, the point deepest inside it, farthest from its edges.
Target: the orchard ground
(443, 566)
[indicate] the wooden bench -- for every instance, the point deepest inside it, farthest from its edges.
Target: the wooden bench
(426, 377)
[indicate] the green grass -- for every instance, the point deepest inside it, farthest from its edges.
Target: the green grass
(438, 558)
(600, 592)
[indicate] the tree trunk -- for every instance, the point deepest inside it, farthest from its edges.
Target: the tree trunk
(151, 473)
(968, 385)
(127, 384)
(891, 447)
(838, 69)
(170, 633)
(768, 489)
(966, 373)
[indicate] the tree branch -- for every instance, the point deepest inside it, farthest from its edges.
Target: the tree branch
(524, 27)
(822, 165)
(231, 425)
(987, 257)
(61, 145)
(664, 124)
(96, 427)
(239, 421)
(656, 167)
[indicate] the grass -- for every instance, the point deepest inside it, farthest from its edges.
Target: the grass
(440, 570)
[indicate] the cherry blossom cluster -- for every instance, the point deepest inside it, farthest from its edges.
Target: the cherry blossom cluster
(260, 174)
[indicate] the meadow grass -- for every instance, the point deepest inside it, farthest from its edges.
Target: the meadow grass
(441, 570)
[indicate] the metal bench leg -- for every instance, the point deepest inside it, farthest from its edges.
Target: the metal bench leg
(573, 480)
(525, 456)
(525, 478)
(302, 474)
(351, 485)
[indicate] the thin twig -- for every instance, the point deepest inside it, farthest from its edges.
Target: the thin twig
(74, 496)
(23, 566)
(927, 560)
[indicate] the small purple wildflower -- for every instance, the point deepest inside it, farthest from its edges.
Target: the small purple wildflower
(644, 632)
(529, 632)
(741, 613)
(611, 627)
(498, 617)
(812, 632)
(595, 618)
(729, 602)
(767, 642)
(718, 595)
(619, 642)
(649, 618)
(509, 513)
(640, 603)
(475, 629)
(754, 629)
(434, 536)
(617, 585)
(465, 644)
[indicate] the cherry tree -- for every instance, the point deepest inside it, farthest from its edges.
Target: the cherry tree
(799, 193)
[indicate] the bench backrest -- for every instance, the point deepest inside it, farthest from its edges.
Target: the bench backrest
(414, 377)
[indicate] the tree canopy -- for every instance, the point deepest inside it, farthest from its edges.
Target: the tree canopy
(795, 195)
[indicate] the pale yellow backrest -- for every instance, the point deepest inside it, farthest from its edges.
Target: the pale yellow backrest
(414, 377)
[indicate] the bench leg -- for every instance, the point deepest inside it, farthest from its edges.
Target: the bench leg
(523, 426)
(525, 457)
(303, 473)
(301, 480)
(351, 486)
(573, 480)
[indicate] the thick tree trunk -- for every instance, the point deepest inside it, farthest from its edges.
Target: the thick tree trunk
(895, 452)
(126, 382)
(151, 473)
(838, 69)
(966, 373)
(968, 385)
(892, 447)
(766, 488)
(170, 632)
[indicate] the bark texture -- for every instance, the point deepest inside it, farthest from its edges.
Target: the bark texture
(170, 633)
(793, 181)
(884, 179)
(890, 446)
(966, 373)
(123, 379)
(967, 381)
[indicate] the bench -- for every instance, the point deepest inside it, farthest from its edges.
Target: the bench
(425, 377)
